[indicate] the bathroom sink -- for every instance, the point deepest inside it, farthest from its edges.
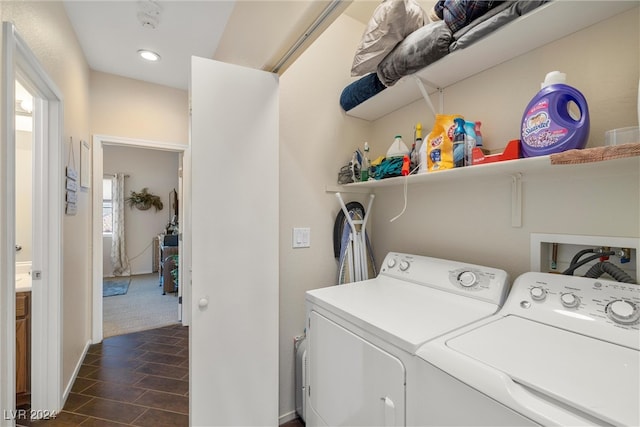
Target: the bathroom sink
(23, 282)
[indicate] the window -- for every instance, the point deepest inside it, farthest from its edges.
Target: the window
(107, 207)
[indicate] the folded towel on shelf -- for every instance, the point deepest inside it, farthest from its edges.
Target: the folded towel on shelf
(360, 90)
(595, 154)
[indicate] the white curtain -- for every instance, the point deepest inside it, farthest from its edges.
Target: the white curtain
(118, 250)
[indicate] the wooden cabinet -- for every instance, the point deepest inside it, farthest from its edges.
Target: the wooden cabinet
(155, 258)
(166, 264)
(23, 348)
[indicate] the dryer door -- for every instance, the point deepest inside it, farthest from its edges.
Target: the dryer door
(351, 381)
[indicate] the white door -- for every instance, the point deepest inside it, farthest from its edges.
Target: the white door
(46, 346)
(234, 229)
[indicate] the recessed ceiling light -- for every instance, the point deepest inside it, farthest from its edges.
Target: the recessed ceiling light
(149, 55)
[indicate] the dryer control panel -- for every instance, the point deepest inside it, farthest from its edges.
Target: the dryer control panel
(602, 309)
(484, 283)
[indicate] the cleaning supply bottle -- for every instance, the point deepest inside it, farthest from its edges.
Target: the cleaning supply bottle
(366, 164)
(422, 157)
(478, 134)
(480, 140)
(398, 148)
(470, 142)
(406, 166)
(417, 145)
(458, 143)
(556, 119)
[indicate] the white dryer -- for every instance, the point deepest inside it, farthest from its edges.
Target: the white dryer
(563, 350)
(362, 337)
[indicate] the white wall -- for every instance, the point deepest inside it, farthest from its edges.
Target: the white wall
(315, 140)
(158, 171)
(135, 109)
(46, 29)
(470, 221)
(24, 191)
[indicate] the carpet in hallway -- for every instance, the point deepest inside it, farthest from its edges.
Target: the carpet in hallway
(143, 307)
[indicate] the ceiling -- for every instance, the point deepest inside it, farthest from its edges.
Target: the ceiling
(252, 33)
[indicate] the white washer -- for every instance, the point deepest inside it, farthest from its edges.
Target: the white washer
(563, 350)
(363, 336)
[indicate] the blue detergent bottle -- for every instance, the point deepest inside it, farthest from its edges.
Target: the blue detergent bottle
(470, 142)
(458, 143)
(556, 119)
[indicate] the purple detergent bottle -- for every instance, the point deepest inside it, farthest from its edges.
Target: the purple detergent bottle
(556, 119)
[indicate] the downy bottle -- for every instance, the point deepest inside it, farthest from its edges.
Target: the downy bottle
(556, 119)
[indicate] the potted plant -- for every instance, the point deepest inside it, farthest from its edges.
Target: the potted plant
(174, 271)
(144, 200)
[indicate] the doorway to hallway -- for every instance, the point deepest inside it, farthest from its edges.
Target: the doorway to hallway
(145, 250)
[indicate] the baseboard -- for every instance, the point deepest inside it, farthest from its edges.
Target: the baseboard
(289, 416)
(111, 276)
(143, 272)
(76, 370)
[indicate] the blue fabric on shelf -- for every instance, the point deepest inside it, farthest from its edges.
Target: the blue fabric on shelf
(389, 167)
(360, 90)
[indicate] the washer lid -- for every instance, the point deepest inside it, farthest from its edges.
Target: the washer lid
(594, 376)
(402, 313)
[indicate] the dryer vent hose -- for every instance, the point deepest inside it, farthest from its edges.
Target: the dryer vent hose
(612, 270)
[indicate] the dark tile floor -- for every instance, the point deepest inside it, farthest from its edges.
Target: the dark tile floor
(138, 379)
(293, 423)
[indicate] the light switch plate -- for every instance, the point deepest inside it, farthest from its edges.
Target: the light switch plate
(301, 237)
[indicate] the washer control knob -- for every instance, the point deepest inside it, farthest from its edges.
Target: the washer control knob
(467, 279)
(391, 263)
(538, 293)
(569, 300)
(623, 311)
(404, 265)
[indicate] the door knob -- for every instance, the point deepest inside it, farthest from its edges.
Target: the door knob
(203, 302)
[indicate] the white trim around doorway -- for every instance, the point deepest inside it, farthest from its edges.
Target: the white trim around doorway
(98, 143)
(19, 62)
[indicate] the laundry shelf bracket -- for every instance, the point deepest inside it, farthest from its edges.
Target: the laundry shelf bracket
(342, 189)
(426, 96)
(516, 200)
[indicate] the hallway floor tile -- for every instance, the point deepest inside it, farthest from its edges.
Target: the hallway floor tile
(138, 379)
